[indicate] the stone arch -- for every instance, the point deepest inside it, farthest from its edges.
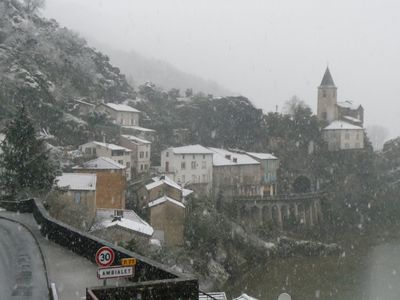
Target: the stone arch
(255, 215)
(302, 213)
(285, 215)
(266, 214)
(276, 216)
(302, 184)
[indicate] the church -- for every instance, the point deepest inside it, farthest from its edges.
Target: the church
(344, 120)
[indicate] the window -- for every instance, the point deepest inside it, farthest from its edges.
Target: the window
(183, 156)
(141, 154)
(166, 166)
(146, 166)
(167, 154)
(121, 162)
(204, 156)
(358, 136)
(77, 197)
(128, 164)
(193, 165)
(194, 156)
(183, 165)
(203, 164)
(141, 167)
(204, 178)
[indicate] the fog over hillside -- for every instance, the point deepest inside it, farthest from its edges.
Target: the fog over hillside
(140, 69)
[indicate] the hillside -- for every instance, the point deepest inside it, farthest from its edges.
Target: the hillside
(48, 67)
(141, 69)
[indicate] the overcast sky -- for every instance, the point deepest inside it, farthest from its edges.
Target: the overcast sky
(265, 50)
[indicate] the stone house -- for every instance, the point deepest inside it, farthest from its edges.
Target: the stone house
(110, 184)
(164, 202)
(121, 114)
(140, 152)
(121, 226)
(191, 165)
(235, 174)
(117, 153)
(74, 200)
(167, 216)
(341, 135)
(269, 165)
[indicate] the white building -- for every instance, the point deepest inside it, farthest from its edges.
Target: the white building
(140, 152)
(120, 113)
(341, 135)
(117, 153)
(191, 164)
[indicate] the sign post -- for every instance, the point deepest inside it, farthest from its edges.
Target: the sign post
(105, 257)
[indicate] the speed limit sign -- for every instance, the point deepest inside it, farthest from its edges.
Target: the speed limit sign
(105, 256)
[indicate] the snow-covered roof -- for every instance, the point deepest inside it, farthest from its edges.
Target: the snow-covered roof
(214, 295)
(166, 180)
(121, 107)
(261, 155)
(84, 102)
(224, 157)
(245, 297)
(138, 128)
(348, 104)
(165, 199)
(337, 125)
(108, 146)
(77, 181)
(101, 163)
(135, 139)
(355, 120)
(191, 149)
(105, 218)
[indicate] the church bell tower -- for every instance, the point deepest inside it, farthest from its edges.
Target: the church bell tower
(327, 99)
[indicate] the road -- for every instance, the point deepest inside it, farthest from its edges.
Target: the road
(22, 273)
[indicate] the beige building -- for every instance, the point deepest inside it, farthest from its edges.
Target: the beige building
(74, 200)
(117, 153)
(120, 113)
(165, 203)
(345, 130)
(341, 135)
(235, 174)
(140, 152)
(110, 183)
(191, 165)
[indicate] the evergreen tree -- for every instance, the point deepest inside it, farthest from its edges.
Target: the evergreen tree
(25, 165)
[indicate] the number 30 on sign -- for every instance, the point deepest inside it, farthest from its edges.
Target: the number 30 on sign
(105, 256)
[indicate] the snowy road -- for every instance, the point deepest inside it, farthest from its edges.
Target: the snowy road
(22, 274)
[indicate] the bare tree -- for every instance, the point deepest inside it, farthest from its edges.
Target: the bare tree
(377, 135)
(33, 5)
(292, 105)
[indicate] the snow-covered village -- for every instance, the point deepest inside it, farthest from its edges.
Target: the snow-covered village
(123, 177)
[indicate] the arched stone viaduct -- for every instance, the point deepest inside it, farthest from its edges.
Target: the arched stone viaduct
(280, 211)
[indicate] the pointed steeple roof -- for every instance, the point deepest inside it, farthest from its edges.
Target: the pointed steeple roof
(327, 79)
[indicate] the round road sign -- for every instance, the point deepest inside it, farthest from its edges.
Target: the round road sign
(105, 256)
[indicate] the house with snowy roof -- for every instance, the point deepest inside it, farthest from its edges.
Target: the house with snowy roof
(345, 119)
(110, 183)
(121, 225)
(189, 165)
(164, 201)
(119, 154)
(235, 174)
(341, 135)
(74, 199)
(140, 152)
(269, 165)
(121, 114)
